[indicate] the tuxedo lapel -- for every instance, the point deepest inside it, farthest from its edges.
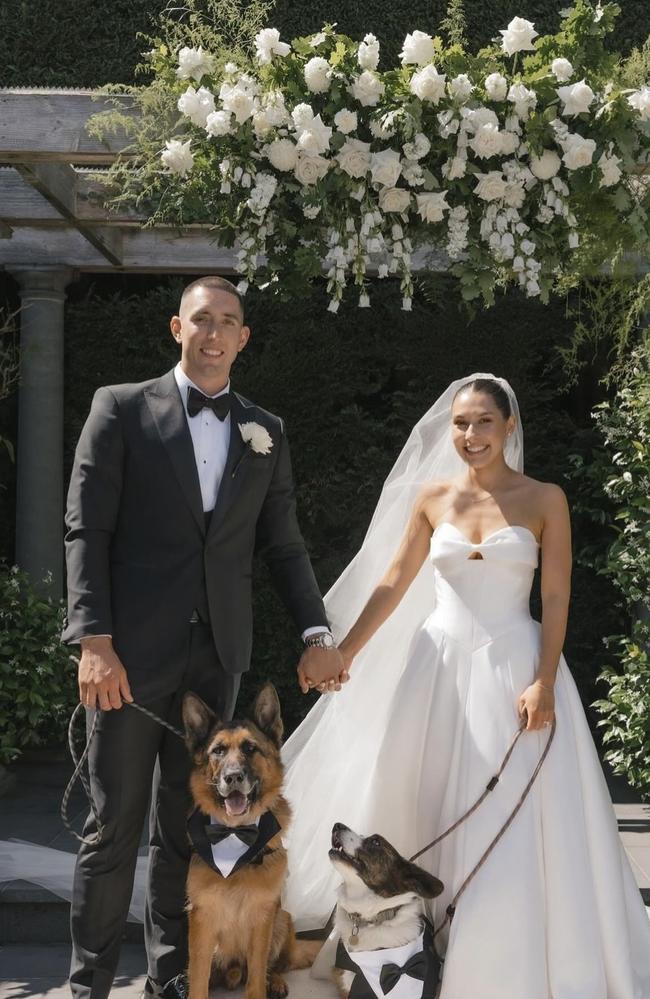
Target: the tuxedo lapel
(166, 407)
(231, 480)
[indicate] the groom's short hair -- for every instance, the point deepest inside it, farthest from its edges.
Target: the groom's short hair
(214, 281)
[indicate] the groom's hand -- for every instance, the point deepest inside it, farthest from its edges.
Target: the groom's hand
(321, 668)
(103, 682)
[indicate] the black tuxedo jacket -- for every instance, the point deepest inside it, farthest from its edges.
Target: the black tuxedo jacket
(137, 551)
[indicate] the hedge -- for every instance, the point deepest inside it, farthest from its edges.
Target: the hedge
(59, 43)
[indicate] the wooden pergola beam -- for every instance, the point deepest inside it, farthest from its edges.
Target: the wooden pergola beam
(51, 125)
(57, 183)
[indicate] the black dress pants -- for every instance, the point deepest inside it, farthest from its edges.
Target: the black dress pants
(131, 757)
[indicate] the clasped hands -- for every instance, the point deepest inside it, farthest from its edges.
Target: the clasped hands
(324, 670)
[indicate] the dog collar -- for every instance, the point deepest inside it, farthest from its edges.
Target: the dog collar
(358, 921)
(225, 858)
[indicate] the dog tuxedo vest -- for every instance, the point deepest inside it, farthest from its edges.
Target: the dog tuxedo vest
(227, 849)
(407, 972)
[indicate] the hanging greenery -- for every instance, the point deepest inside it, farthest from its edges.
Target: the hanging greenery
(517, 163)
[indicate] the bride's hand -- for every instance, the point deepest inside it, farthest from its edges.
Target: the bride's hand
(344, 675)
(537, 706)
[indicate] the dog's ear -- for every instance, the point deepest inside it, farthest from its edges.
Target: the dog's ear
(417, 880)
(198, 720)
(266, 714)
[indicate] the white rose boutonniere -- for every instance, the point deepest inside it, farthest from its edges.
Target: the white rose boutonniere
(257, 438)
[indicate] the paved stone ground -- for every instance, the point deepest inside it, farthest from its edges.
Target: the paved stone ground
(30, 813)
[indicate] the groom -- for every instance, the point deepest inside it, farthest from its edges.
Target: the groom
(176, 483)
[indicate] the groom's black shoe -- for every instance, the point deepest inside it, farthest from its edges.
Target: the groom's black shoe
(175, 988)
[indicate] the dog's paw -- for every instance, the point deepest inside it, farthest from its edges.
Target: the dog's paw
(277, 988)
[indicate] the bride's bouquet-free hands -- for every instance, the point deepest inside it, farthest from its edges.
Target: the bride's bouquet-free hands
(536, 706)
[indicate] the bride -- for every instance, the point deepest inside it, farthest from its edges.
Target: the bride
(445, 662)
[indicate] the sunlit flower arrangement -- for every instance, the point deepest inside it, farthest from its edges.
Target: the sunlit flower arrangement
(516, 164)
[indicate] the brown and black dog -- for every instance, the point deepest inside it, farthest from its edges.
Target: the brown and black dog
(237, 928)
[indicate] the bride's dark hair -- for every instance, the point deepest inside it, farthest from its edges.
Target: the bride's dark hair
(492, 388)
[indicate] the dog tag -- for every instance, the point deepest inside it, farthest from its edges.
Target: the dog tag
(354, 935)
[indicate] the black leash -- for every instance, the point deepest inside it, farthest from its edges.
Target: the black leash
(79, 762)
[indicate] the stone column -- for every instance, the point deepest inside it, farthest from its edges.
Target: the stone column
(39, 458)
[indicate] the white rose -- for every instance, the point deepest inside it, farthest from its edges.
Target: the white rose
(317, 75)
(496, 86)
(268, 44)
(576, 98)
(385, 167)
(354, 157)
(274, 108)
(418, 148)
(177, 156)
(518, 36)
(418, 49)
(640, 101)
(562, 70)
(475, 117)
(282, 154)
(461, 87)
(301, 116)
(218, 123)
(509, 143)
(261, 123)
(545, 166)
(394, 199)
(431, 207)
(315, 137)
(368, 55)
(346, 121)
(578, 152)
(257, 437)
(367, 89)
(455, 168)
(311, 169)
(428, 84)
(194, 63)
(523, 99)
(491, 186)
(487, 141)
(514, 195)
(241, 104)
(610, 170)
(197, 105)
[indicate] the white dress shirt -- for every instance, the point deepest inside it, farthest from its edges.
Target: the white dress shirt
(210, 440)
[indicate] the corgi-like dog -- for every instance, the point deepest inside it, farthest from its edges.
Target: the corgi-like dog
(385, 943)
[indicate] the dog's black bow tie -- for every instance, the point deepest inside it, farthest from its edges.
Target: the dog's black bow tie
(196, 401)
(415, 967)
(216, 833)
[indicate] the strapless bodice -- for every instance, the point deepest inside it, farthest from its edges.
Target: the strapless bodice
(478, 599)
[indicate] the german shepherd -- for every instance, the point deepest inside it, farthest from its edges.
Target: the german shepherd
(237, 930)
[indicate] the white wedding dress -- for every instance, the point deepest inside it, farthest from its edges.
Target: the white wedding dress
(554, 913)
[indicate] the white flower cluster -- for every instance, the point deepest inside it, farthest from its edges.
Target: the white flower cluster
(399, 175)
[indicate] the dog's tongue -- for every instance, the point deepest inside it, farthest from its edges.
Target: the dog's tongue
(236, 803)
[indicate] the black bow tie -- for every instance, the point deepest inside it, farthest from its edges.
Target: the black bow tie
(415, 967)
(196, 401)
(216, 833)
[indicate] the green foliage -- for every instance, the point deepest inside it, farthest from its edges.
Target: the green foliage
(454, 23)
(349, 389)
(37, 680)
(616, 491)
(9, 369)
